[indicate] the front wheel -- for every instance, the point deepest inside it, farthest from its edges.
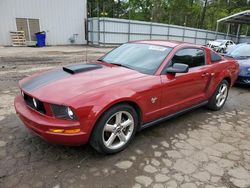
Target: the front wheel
(115, 129)
(219, 97)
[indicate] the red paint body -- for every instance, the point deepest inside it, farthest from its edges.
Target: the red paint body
(91, 93)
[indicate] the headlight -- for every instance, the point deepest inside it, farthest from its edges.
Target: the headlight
(70, 113)
(248, 69)
(34, 102)
(63, 112)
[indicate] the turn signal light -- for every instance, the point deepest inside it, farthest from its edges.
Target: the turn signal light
(56, 130)
(68, 131)
(71, 131)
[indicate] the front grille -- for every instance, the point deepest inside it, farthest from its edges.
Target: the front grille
(246, 80)
(29, 101)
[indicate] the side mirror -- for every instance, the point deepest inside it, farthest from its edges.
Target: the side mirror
(178, 68)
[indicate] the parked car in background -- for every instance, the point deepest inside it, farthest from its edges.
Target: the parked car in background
(220, 45)
(136, 85)
(241, 53)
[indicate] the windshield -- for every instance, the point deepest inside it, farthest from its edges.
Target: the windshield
(240, 51)
(145, 58)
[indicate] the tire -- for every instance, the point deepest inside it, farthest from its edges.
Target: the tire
(115, 129)
(218, 99)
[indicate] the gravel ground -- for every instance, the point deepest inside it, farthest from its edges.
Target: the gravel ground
(199, 149)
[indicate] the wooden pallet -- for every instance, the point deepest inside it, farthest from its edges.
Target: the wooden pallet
(18, 38)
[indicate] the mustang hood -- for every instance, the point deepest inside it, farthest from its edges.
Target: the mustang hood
(62, 84)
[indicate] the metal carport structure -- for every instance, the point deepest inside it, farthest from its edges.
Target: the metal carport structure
(238, 18)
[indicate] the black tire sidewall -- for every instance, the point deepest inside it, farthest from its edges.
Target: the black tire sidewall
(98, 130)
(212, 102)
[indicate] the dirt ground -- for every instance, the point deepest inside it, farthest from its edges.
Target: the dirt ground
(199, 149)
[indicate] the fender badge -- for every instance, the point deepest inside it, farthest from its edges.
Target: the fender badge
(153, 100)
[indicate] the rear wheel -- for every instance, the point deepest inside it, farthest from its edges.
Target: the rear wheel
(115, 129)
(219, 97)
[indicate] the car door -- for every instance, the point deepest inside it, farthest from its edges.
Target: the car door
(184, 90)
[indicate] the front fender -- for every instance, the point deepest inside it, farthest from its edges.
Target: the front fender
(92, 106)
(108, 100)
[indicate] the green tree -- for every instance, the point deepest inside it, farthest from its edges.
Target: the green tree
(192, 13)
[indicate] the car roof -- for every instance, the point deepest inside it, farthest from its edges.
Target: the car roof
(167, 43)
(222, 40)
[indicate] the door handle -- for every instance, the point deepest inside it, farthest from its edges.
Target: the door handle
(205, 74)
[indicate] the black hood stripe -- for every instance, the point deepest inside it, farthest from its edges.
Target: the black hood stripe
(43, 79)
(55, 75)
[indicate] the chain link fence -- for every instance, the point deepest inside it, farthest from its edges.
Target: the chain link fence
(105, 31)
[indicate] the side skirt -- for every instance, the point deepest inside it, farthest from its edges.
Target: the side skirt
(162, 119)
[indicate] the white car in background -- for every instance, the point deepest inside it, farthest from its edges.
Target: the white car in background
(220, 45)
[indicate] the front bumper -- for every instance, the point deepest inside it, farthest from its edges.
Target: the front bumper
(243, 80)
(41, 125)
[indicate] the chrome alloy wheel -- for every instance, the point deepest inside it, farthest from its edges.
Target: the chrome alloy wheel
(118, 130)
(222, 95)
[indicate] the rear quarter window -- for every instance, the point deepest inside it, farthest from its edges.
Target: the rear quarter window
(215, 57)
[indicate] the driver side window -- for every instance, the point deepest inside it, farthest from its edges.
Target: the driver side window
(193, 57)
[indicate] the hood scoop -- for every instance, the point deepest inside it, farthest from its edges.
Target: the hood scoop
(74, 69)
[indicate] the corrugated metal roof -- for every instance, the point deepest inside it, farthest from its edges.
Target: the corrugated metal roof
(241, 18)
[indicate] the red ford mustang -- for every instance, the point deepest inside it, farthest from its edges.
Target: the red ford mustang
(132, 87)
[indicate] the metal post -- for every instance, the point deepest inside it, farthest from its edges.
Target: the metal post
(206, 38)
(238, 33)
(217, 28)
(128, 30)
(98, 31)
(228, 30)
(195, 38)
(150, 34)
(92, 30)
(103, 24)
(168, 31)
(129, 17)
(183, 33)
(98, 24)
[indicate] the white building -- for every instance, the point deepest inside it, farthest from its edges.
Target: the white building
(62, 20)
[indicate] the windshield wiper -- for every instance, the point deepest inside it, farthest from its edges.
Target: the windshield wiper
(102, 60)
(117, 64)
(122, 65)
(227, 55)
(241, 57)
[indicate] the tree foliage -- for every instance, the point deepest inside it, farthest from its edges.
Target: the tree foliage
(192, 13)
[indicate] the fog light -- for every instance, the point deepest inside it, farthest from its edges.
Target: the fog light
(56, 130)
(72, 131)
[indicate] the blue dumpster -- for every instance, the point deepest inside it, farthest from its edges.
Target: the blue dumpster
(40, 39)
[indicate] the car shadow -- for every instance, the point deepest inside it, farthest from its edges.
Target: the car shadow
(242, 86)
(25, 150)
